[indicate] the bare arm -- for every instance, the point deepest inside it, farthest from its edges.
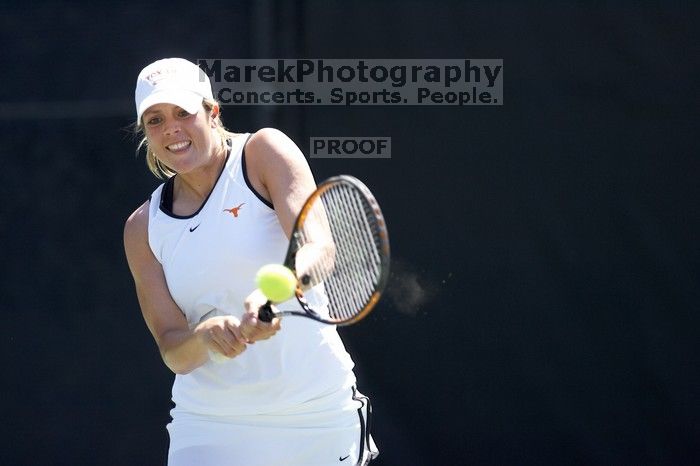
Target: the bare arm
(183, 349)
(280, 173)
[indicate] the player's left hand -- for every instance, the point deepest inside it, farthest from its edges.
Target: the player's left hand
(252, 328)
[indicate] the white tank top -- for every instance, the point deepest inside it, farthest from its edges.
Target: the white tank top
(210, 259)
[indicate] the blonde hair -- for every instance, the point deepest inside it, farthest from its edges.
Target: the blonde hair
(156, 166)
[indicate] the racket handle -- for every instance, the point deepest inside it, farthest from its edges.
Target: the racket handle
(265, 312)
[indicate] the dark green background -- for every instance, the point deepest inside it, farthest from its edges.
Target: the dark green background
(543, 307)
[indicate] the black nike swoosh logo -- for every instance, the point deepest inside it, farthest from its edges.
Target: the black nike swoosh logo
(193, 229)
(344, 458)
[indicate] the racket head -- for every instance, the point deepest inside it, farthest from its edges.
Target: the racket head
(342, 228)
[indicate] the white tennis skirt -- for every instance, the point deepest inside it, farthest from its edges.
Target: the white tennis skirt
(334, 430)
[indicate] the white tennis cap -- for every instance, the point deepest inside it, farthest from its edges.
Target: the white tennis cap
(172, 81)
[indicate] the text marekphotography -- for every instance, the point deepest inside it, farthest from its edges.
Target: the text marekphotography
(340, 147)
(296, 81)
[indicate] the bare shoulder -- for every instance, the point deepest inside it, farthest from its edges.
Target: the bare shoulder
(268, 144)
(136, 226)
(276, 165)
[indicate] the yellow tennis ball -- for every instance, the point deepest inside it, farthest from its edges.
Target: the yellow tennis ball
(276, 282)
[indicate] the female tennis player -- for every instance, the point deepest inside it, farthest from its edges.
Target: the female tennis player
(285, 394)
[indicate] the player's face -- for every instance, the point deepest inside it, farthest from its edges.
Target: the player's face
(180, 140)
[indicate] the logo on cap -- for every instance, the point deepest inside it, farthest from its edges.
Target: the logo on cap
(159, 75)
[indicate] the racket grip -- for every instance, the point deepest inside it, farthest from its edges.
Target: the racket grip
(265, 312)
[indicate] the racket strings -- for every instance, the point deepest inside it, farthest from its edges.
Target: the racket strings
(351, 270)
(350, 283)
(364, 250)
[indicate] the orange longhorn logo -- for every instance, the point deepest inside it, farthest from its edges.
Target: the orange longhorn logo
(234, 210)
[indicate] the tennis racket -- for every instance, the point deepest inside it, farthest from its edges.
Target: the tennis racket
(339, 247)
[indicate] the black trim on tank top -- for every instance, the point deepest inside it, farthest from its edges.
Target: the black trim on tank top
(247, 181)
(166, 196)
